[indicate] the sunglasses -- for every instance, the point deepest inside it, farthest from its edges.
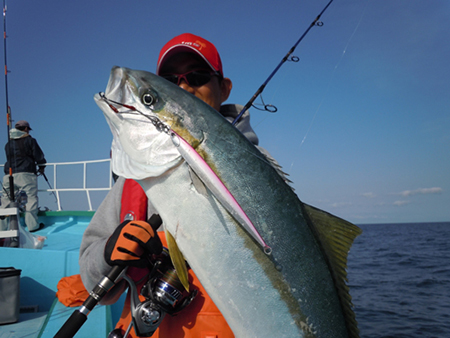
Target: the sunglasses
(194, 78)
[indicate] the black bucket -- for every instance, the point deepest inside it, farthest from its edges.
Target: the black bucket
(9, 295)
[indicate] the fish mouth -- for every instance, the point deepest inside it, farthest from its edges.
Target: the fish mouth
(119, 89)
(123, 96)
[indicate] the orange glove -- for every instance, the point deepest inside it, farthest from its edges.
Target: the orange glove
(132, 241)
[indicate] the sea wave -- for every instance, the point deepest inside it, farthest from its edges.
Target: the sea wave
(399, 277)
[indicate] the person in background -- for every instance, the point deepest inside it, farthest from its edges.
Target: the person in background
(194, 64)
(26, 159)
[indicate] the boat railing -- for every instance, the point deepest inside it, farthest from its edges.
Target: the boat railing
(80, 185)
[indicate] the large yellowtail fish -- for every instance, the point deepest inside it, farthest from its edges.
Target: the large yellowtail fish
(274, 266)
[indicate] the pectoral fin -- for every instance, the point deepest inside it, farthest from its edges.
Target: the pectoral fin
(197, 183)
(178, 260)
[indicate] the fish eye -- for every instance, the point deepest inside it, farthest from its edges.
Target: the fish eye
(148, 99)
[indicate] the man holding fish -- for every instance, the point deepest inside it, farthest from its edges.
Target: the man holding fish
(193, 64)
(273, 265)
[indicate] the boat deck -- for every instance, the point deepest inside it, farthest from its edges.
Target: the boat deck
(42, 315)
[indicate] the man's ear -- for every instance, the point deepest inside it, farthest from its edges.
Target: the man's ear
(225, 89)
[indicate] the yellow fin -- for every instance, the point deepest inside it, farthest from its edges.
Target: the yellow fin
(178, 260)
(336, 236)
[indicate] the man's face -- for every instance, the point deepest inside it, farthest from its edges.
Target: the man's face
(213, 93)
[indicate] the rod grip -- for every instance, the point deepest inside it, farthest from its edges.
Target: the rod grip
(78, 317)
(72, 325)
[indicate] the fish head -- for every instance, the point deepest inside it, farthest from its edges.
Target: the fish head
(141, 110)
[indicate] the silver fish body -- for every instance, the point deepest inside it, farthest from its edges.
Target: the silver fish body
(296, 291)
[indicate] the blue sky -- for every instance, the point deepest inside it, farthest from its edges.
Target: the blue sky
(363, 121)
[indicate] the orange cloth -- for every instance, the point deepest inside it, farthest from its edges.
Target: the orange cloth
(200, 319)
(71, 291)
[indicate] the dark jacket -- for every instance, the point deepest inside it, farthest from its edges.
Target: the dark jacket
(23, 153)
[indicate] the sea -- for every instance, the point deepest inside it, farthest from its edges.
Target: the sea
(399, 278)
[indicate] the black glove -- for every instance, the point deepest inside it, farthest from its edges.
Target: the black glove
(132, 241)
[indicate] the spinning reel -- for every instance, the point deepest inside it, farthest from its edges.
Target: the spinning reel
(163, 294)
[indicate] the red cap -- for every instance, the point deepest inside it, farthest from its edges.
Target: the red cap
(192, 43)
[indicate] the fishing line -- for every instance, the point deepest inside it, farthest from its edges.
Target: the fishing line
(331, 80)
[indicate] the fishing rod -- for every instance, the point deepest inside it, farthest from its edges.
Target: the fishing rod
(13, 219)
(52, 191)
(8, 108)
(286, 57)
(78, 317)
